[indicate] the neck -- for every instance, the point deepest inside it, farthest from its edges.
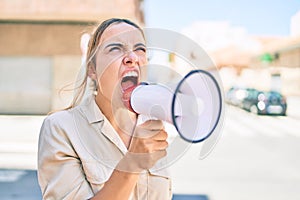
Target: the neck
(121, 119)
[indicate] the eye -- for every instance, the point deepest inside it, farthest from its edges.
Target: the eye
(115, 48)
(141, 49)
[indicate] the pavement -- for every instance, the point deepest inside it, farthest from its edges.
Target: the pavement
(19, 185)
(293, 107)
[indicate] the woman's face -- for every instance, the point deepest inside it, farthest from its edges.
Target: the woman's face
(121, 53)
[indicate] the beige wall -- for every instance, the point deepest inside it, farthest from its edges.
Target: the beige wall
(36, 29)
(40, 39)
(289, 58)
(261, 79)
(25, 84)
(287, 65)
(64, 10)
(65, 71)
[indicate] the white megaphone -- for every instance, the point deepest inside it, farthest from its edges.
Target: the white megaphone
(194, 107)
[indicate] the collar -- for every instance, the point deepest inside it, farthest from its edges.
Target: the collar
(91, 110)
(94, 115)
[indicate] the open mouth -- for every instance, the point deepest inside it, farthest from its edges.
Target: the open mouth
(128, 83)
(129, 80)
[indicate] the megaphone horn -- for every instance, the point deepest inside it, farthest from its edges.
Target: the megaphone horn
(194, 107)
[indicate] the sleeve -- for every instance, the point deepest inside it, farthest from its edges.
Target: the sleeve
(60, 172)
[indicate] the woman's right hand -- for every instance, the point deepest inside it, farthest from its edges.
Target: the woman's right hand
(148, 145)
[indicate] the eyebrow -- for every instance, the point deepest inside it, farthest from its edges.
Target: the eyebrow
(113, 44)
(120, 45)
(139, 44)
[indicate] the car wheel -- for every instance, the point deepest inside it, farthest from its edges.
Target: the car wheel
(253, 109)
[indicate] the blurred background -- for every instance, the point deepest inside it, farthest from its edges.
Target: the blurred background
(255, 46)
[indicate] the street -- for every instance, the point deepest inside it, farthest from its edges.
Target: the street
(257, 157)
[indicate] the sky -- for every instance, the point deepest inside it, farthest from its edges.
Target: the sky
(258, 17)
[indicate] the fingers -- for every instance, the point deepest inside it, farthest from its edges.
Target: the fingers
(148, 141)
(151, 128)
(159, 146)
(148, 144)
(153, 125)
(159, 136)
(140, 145)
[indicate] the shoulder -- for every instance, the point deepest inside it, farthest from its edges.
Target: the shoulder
(58, 117)
(59, 122)
(64, 120)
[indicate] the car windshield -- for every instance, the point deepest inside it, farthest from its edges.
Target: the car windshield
(273, 95)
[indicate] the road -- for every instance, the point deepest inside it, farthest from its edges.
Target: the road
(257, 157)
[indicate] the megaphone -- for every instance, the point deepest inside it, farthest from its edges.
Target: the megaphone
(194, 106)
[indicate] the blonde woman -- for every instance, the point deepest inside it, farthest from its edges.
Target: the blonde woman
(95, 149)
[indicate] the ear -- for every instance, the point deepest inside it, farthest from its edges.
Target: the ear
(92, 72)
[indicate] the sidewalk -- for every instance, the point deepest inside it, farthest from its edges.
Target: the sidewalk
(23, 185)
(19, 141)
(293, 107)
(19, 185)
(18, 157)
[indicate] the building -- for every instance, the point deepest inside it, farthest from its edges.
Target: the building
(280, 62)
(262, 62)
(40, 49)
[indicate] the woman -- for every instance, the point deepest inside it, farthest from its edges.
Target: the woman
(95, 149)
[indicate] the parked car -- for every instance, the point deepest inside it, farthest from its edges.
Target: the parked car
(235, 96)
(267, 103)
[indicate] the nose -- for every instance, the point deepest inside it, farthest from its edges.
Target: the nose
(130, 59)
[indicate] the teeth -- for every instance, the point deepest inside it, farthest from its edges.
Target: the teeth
(131, 73)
